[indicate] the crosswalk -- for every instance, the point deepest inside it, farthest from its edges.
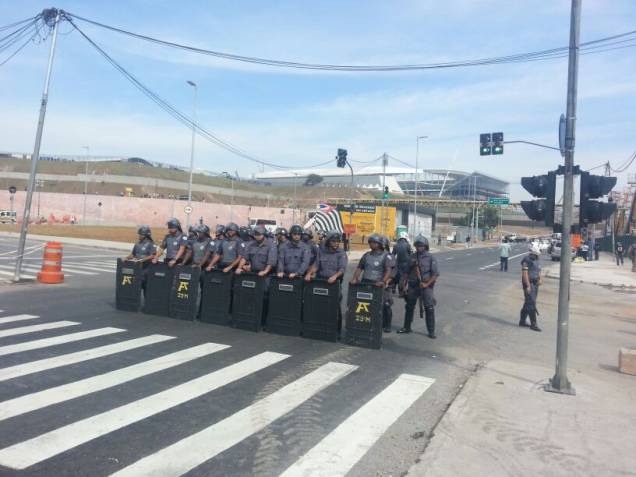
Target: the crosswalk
(72, 267)
(100, 361)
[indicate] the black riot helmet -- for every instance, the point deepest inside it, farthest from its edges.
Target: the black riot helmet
(421, 241)
(307, 234)
(375, 238)
(244, 233)
(259, 230)
(174, 224)
(296, 229)
(219, 230)
(281, 231)
(144, 231)
(333, 235)
(232, 226)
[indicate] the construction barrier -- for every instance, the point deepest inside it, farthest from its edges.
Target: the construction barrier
(51, 271)
(364, 316)
(184, 295)
(285, 306)
(159, 279)
(216, 298)
(322, 317)
(248, 300)
(129, 280)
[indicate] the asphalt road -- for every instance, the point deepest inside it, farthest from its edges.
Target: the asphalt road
(226, 401)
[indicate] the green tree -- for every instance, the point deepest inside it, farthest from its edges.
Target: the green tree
(313, 179)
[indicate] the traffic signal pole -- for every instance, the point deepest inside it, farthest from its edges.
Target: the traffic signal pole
(38, 141)
(559, 382)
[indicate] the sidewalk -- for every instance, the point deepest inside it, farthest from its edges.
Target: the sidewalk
(504, 424)
(603, 271)
(74, 241)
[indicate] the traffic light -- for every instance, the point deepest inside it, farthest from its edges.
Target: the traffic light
(543, 187)
(341, 158)
(497, 143)
(593, 187)
(386, 192)
(485, 145)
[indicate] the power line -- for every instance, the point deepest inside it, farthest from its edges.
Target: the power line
(625, 165)
(182, 118)
(515, 58)
(26, 20)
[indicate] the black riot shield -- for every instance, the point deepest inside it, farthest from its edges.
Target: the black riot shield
(184, 296)
(128, 285)
(285, 306)
(159, 279)
(364, 316)
(247, 302)
(216, 298)
(321, 310)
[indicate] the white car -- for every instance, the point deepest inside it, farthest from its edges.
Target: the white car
(555, 252)
(8, 217)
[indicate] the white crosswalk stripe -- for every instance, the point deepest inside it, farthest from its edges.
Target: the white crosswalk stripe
(25, 268)
(34, 328)
(31, 402)
(22, 275)
(87, 267)
(57, 340)
(79, 356)
(75, 271)
(192, 451)
(27, 453)
(12, 318)
(337, 453)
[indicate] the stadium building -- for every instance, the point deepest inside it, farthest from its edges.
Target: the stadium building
(431, 182)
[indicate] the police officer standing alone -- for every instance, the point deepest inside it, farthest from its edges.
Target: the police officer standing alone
(420, 281)
(530, 281)
(376, 268)
(174, 244)
(293, 255)
(228, 253)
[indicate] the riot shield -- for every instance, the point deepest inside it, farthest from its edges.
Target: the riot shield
(184, 296)
(364, 316)
(284, 312)
(321, 310)
(159, 279)
(129, 279)
(216, 298)
(247, 302)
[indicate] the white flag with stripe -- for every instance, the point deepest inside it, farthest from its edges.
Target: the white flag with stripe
(328, 221)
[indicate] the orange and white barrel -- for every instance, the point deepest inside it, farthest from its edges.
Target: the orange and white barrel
(51, 264)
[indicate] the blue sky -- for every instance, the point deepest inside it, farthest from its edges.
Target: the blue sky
(301, 117)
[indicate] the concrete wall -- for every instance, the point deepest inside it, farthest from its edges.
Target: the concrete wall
(135, 210)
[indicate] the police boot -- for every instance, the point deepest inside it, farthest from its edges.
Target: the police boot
(407, 324)
(430, 321)
(522, 317)
(533, 322)
(387, 318)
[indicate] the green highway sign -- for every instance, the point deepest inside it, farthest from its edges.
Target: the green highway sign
(498, 201)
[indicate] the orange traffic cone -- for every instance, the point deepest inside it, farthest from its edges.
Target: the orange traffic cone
(52, 264)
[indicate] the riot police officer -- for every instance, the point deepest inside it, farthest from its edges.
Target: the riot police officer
(228, 253)
(402, 253)
(144, 249)
(376, 268)
(387, 297)
(281, 236)
(530, 281)
(260, 255)
(293, 255)
(308, 238)
(174, 244)
(198, 250)
(422, 275)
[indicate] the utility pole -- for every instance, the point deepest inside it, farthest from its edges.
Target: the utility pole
(385, 159)
(559, 382)
(417, 182)
(88, 151)
(50, 15)
(194, 120)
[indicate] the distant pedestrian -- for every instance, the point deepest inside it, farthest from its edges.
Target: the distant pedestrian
(619, 251)
(530, 281)
(631, 253)
(597, 249)
(467, 241)
(504, 254)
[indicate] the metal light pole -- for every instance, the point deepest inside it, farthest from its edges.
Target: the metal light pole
(88, 152)
(50, 15)
(385, 160)
(194, 119)
(295, 198)
(417, 157)
(559, 382)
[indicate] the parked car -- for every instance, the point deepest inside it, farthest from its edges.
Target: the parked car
(8, 217)
(555, 252)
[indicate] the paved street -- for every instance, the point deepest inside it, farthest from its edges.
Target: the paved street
(88, 390)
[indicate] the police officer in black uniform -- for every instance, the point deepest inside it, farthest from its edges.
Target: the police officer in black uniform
(293, 255)
(228, 252)
(376, 268)
(530, 281)
(421, 278)
(174, 244)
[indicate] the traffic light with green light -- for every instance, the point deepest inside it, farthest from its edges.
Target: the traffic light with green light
(497, 143)
(485, 145)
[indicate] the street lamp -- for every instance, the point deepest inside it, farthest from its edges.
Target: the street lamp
(194, 118)
(417, 157)
(88, 152)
